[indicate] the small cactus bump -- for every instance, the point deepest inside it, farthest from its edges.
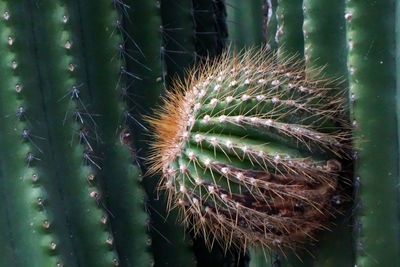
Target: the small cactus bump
(251, 150)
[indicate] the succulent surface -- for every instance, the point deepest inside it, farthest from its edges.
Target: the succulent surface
(250, 150)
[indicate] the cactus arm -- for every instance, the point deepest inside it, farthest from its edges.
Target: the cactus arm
(5, 236)
(142, 24)
(25, 242)
(244, 22)
(372, 68)
(142, 43)
(289, 35)
(17, 196)
(221, 27)
(43, 67)
(105, 76)
(145, 53)
(325, 30)
(125, 201)
(209, 27)
(177, 50)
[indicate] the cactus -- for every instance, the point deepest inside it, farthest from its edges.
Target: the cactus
(325, 43)
(372, 72)
(69, 167)
(250, 149)
(244, 23)
(77, 77)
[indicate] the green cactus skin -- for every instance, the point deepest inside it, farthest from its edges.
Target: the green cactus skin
(145, 53)
(398, 71)
(289, 35)
(27, 235)
(244, 22)
(219, 138)
(269, 23)
(142, 23)
(105, 76)
(46, 56)
(372, 72)
(177, 50)
(210, 27)
(325, 30)
(42, 51)
(260, 258)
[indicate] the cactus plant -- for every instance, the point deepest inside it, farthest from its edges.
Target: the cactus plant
(372, 72)
(78, 76)
(249, 151)
(62, 155)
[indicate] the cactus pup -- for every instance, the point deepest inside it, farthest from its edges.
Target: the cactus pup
(251, 150)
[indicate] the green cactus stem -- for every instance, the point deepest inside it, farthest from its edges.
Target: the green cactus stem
(289, 34)
(54, 115)
(325, 30)
(251, 174)
(106, 77)
(244, 22)
(142, 24)
(177, 50)
(210, 27)
(398, 69)
(27, 236)
(372, 70)
(75, 173)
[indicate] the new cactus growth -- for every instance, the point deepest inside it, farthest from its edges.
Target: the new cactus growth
(251, 151)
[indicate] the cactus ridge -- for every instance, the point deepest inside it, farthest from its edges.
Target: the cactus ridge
(263, 173)
(209, 27)
(22, 187)
(106, 77)
(372, 88)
